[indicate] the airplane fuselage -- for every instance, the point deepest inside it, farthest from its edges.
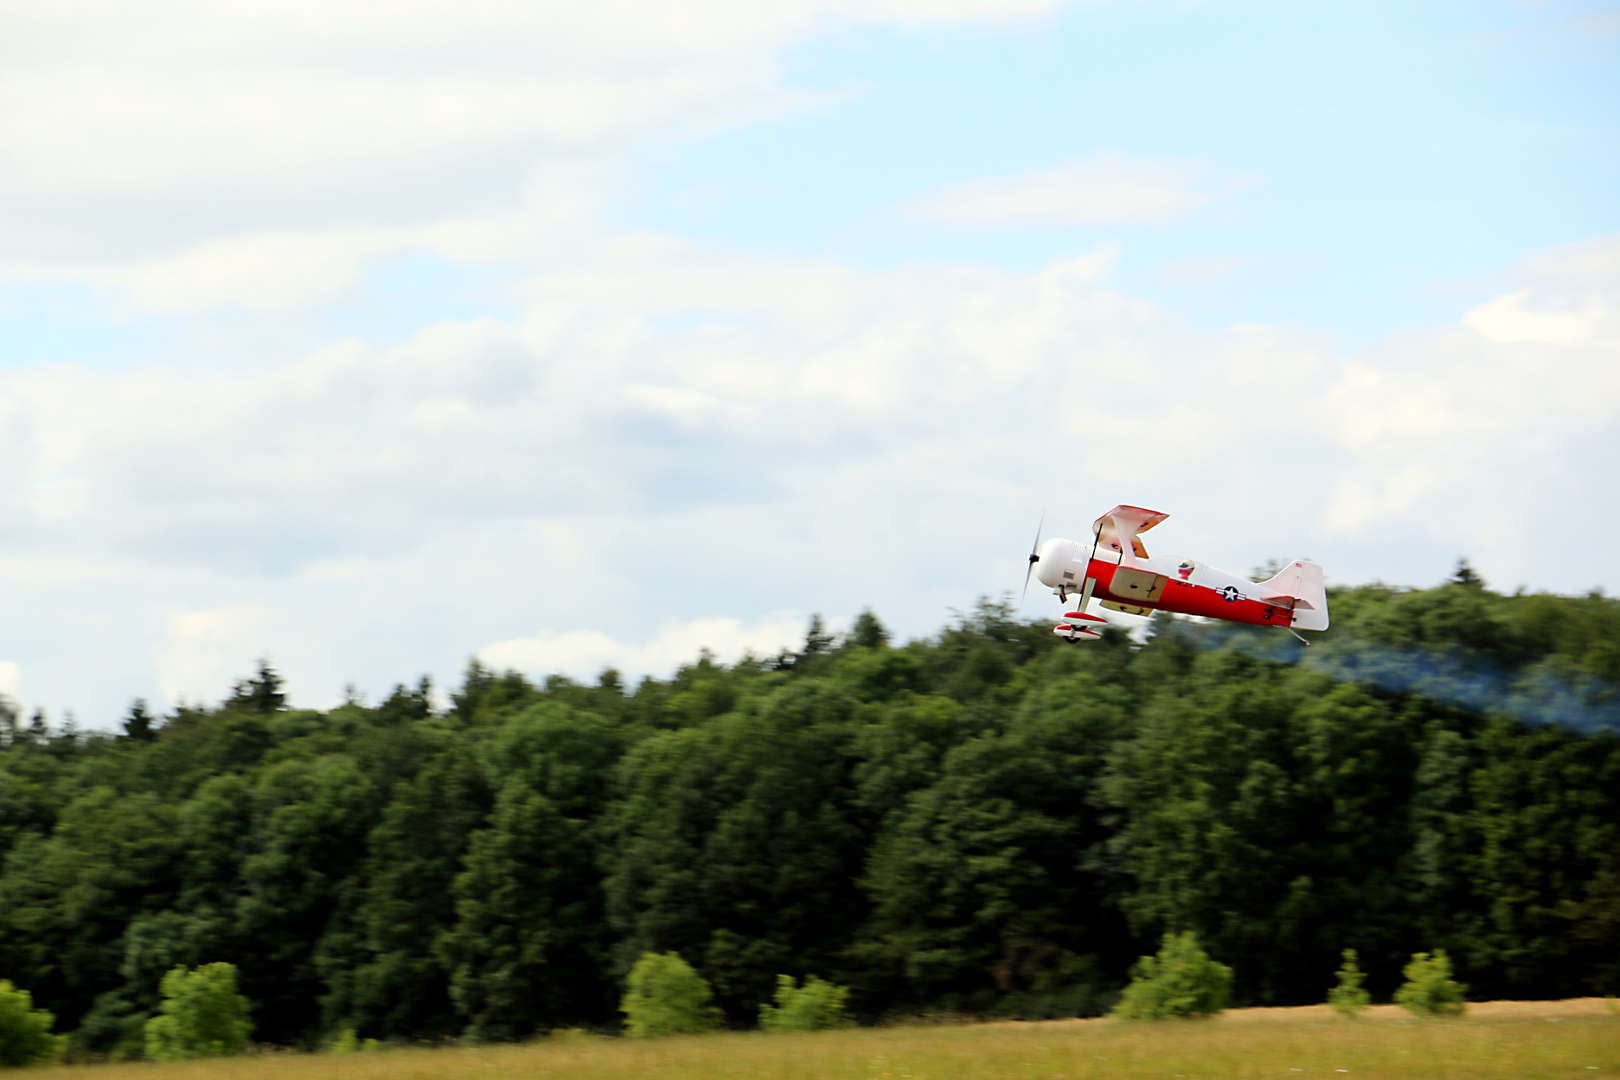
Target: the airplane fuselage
(1140, 586)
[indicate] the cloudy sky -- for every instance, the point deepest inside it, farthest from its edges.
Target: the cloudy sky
(371, 336)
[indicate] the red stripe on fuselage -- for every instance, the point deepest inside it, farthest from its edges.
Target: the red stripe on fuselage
(1184, 598)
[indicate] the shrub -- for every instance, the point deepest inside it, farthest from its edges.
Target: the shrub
(1180, 981)
(347, 1042)
(1429, 989)
(203, 1015)
(1349, 998)
(816, 1005)
(666, 997)
(25, 1032)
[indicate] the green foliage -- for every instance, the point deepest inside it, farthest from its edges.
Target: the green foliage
(310, 816)
(347, 1041)
(816, 1005)
(203, 1015)
(1348, 998)
(977, 870)
(25, 1032)
(868, 632)
(67, 900)
(737, 843)
(526, 942)
(984, 822)
(1180, 981)
(1429, 989)
(402, 987)
(138, 724)
(260, 694)
(666, 997)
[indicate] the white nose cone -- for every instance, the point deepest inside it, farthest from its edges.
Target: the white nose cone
(1062, 562)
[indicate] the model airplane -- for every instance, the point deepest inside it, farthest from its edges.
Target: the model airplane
(1116, 571)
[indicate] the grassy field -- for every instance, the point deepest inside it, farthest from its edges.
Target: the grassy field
(1520, 1040)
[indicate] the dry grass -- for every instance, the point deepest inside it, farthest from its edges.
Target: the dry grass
(1519, 1040)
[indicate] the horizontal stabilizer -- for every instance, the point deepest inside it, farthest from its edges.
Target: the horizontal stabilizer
(1299, 586)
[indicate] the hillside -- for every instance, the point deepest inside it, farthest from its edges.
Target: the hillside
(986, 822)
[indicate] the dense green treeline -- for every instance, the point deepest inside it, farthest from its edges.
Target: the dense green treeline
(988, 821)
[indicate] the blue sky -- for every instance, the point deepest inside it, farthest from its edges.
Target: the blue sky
(369, 338)
(1459, 136)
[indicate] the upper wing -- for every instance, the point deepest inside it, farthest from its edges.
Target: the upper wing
(1120, 527)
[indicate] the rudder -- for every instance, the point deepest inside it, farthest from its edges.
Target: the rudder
(1301, 584)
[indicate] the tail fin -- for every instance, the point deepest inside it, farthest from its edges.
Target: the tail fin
(1299, 585)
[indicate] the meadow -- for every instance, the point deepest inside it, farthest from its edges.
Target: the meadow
(1522, 1040)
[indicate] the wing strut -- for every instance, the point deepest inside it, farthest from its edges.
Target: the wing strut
(1068, 631)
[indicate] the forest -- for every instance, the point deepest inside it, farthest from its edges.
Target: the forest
(987, 822)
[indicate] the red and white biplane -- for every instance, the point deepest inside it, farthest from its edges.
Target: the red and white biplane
(1115, 570)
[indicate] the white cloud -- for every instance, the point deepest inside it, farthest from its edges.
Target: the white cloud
(1571, 297)
(1102, 190)
(582, 654)
(1200, 270)
(11, 685)
(259, 153)
(1561, 320)
(258, 272)
(652, 431)
(1597, 22)
(665, 432)
(800, 372)
(1429, 414)
(584, 407)
(1591, 262)
(203, 651)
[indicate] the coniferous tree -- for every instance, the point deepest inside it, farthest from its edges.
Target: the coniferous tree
(138, 724)
(260, 694)
(868, 632)
(1349, 997)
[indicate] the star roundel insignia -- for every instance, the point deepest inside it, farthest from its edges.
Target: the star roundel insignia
(1230, 593)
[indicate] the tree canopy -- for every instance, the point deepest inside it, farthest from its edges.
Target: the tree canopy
(986, 821)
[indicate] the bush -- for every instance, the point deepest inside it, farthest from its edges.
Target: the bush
(25, 1032)
(1180, 981)
(1349, 998)
(347, 1042)
(816, 1005)
(203, 1015)
(1429, 989)
(666, 997)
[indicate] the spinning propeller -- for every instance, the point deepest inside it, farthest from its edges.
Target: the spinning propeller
(1034, 557)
